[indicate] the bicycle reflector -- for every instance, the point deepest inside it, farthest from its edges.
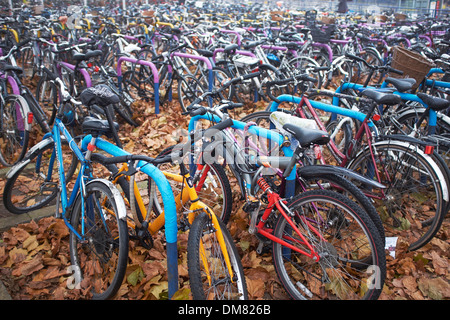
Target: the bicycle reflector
(376, 117)
(429, 149)
(30, 117)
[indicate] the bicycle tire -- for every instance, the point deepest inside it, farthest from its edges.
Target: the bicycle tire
(27, 186)
(106, 237)
(221, 287)
(189, 88)
(26, 62)
(137, 88)
(345, 187)
(14, 134)
(404, 210)
(47, 97)
(218, 198)
(344, 227)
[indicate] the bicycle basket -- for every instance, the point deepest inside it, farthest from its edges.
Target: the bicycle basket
(322, 35)
(411, 63)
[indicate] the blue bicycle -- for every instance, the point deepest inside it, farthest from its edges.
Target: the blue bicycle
(95, 213)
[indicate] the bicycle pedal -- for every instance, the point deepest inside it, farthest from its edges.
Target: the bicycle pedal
(260, 248)
(144, 237)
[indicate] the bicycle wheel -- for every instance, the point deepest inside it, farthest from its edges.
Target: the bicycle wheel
(304, 64)
(33, 183)
(341, 185)
(26, 61)
(99, 256)
(213, 281)
(189, 88)
(352, 262)
(210, 181)
(139, 85)
(14, 133)
(47, 96)
(413, 205)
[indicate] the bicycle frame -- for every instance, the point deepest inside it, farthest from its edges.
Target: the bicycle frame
(276, 201)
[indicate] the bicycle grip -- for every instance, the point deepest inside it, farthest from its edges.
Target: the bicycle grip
(305, 77)
(221, 125)
(393, 70)
(251, 75)
(197, 112)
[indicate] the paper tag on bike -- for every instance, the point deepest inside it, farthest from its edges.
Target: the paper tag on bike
(391, 244)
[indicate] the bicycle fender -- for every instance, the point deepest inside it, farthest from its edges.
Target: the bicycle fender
(122, 211)
(26, 111)
(404, 138)
(319, 170)
(441, 178)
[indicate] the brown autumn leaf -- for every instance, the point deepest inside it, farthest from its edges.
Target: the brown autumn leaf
(29, 267)
(434, 288)
(256, 288)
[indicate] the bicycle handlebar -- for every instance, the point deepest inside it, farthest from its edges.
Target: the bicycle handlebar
(224, 86)
(301, 77)
(387, 68)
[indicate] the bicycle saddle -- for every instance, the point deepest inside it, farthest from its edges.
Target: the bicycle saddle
(434, 103)
(382, 97)
(401, 85)
(251, 44)
(86, 56)
(307, 137)
(230, 48)
(93, 125)
(99, 95)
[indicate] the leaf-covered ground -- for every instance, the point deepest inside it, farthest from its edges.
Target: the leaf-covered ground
(35, 261)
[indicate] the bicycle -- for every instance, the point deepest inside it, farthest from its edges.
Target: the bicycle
(17, 123)
(138, 83)
(263, 202)
(298, 235)
(226, 279)
(95, 212)
(383, 159)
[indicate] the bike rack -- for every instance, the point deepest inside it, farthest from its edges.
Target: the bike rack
(145, 63)
(201, 58)
(83, 71)
(236, 33)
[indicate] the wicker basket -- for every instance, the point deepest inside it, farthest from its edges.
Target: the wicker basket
(328, 20)
(411, 63)
(400, 16)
